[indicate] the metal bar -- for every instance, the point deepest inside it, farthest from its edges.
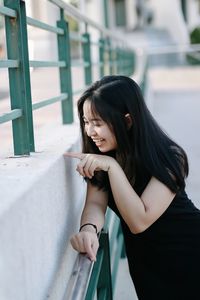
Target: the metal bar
(106, 10)
(72, 11)
(114, 233)
(76, 92)
(120, 244)
(187, 48)
(77, 37)
(102, 295)
(87, 278)
(9, 63)
(110, 57)
(19, 78)
(105, 280)
(46, 64)
(79, 279)
(65, 72)
(8, 12)
(78, 63)
(44, 26)
(101, 57)
(14, 114)
(87, 59)
(97, 63)
(49, 101)
(184, 9)
(95, 275)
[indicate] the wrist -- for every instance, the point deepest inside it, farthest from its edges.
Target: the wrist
(112, 165)
(89, 227)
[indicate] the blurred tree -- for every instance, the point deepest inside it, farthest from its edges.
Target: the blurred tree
(194, 39)
(195, 36)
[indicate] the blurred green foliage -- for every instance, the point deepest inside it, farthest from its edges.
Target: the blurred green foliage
(195, 36)
(194, 58)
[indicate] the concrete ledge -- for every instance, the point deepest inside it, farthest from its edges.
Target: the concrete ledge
(41, 201)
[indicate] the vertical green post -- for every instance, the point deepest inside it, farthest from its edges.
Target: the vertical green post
(110, 57)
(118, 59)
(104, 287)
(105, 9)
(101, 273)
(101, 56)
(86, 46)
(184, 9)
(19, 78)
(114, 58)
(65, 72)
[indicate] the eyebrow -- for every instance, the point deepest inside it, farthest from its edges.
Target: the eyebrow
(93, 119)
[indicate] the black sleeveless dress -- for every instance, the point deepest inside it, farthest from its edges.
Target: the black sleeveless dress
(164, 260)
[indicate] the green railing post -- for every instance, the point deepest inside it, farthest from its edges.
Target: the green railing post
(110, 57)
(86, 46)
(104, 287)
(19, 78)
(65, 72)
(101, 273)
(101, 56)
(118, 60)
(184, 9)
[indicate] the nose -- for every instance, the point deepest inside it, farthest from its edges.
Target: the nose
(90, 130)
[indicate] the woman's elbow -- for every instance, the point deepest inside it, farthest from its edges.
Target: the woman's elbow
(136, 229)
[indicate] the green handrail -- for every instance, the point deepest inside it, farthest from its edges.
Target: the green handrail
(18, 64)
(90, 279)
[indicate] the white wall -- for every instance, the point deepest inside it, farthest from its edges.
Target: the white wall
(41, 200)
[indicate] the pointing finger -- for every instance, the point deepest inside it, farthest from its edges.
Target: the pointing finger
(74, 155)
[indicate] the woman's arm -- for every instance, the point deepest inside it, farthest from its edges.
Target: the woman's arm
(94, 210)
(138, 212)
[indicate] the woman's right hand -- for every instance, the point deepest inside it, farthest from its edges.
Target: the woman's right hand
(86, 242)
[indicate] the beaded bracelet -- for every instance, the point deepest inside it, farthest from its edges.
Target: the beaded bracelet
(95, 227)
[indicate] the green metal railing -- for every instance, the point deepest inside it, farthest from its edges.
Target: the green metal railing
(114, 57)
(89, 280)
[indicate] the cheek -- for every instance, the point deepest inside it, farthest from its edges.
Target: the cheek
(85, 129)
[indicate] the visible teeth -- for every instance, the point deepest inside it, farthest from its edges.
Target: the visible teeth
(97, 141)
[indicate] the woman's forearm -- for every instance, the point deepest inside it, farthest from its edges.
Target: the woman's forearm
(129, 204)
(93, 213)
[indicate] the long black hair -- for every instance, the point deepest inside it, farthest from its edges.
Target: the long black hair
(144, 148)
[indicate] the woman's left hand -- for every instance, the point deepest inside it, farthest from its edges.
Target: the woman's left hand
(89, 163)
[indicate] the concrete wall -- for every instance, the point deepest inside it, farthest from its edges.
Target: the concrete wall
(41, 201)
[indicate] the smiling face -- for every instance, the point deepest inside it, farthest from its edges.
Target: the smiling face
(98, 130)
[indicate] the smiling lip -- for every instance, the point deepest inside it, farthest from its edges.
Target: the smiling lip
(98, 141)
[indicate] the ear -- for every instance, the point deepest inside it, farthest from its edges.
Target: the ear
(129, 121)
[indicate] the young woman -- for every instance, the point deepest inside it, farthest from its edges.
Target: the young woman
(133, 167)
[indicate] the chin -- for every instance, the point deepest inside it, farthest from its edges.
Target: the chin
(105, 150)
